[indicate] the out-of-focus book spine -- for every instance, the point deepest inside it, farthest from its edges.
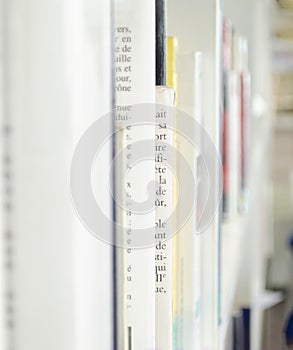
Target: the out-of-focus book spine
(227, 44)
(164, 216)
(227, 65)
(236, 86)
(57, 273)
(245, 92)
(233, 142)
(172, 75)
(89, 31)
(241, 330)
(135, 72)
(189, 244)
(245, 125)
(161, 45)
(198, 237)
(172, 81)
(3, 242)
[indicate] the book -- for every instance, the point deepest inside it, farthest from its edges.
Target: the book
(245, 90)
(3, 242)
(58, 276)
(161, 58)
(236, 110)
(189, 243)
(225, 143)
(89, 52)
(241, 330)
(164, 216)
(233, 151)
(39, 221)
(40, 224)
(165, 99)
(172, 75)
(227, 65)
(172, 81)
(135, 69)
(227, 44)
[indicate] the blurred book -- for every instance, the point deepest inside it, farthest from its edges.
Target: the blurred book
(189, 243)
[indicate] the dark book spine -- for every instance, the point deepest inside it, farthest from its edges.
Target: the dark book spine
(113, 176)
(160, 42)
(241, 330)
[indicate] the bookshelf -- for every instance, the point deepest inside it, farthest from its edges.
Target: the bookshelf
(77, 63)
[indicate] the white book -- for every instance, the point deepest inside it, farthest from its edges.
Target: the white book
(2, 242)
(164, 216)
(189, 243)
(38, 216)
(135, 84)
(58, 292)
(89, 28)
(233, 141)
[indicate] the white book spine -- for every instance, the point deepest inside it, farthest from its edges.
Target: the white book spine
(234, 142)
(189, 255)
(198, 238)
(2, 166)
(164, 211)
(135, 84)
(38, 212)
(89, 53)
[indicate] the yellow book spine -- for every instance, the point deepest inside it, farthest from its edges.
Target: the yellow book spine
(172, 76)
